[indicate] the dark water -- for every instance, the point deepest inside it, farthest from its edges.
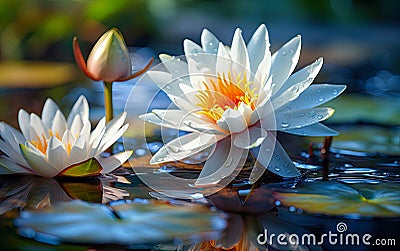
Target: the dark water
(251, 209)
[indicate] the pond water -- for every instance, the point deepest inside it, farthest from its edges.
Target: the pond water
(355, 187)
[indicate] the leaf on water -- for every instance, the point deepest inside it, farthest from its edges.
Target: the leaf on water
(87, 168)
(335, 198)
(26, 74)
(368, 138)
(88, 190)
(120, 223)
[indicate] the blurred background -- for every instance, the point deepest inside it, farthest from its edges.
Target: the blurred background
(358, 39)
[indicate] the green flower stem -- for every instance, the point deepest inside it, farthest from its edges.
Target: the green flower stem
(108, 104)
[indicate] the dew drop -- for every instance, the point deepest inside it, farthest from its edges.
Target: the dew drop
(277, 168)
(312, 114)
(268, 149)
(291, 51)
(277, 157)
(334, 92)
(320, 116)
(278, 203)
(178, 59)
(320, 99)
(319, 90)
(284, 124)
(292, 209)
(283, 53)
(299, 210)
(302, 114)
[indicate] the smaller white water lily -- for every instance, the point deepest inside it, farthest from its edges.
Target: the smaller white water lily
(53, 145)
(235, 98)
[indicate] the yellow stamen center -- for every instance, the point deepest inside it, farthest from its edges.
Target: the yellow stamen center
(223, 93)
(41, 142)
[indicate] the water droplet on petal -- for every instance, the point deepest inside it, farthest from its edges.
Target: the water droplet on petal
(291, 51)
(320, 99)
(277, 168)
(335, 91)
(320, 116)
(292, 209)
(278, 203)
(283, 53)
(268, 149)
(277, 157)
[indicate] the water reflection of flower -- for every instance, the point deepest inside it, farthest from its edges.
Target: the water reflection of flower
(235, 98)
(54, 145)
(33, 192)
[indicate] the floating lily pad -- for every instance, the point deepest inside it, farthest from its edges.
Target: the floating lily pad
(122, 223)
(337, 199)
(90, 167)
(368, 139)
(352, 108)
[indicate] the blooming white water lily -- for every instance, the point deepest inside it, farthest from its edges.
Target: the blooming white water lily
(52, 145)
(236, 97)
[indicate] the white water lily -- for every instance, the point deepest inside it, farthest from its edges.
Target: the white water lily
(53, 145)
(236, 97)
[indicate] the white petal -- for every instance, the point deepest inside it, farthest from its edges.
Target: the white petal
(78, 151)
(114, 161)
(175, 66)
(316, 130)
(68, 139)
(81, 108)
(263, 109)
(284, 61)
(184, 121)
(49, 111)
(184, 146)
(85, 132)
(38, 162)
(301, 118)
(10, 152)
(240, 58)
(290, 94)
(246, 111)
(59, 124)
(259, 53)
(250, 138)
(272, 156)
(24, 122)
(11, 136)
(306, 74)
(224, 61)
(113, 126)
(76, 126)
(97, 130)
(226, 160)
(94, 146)
(315, 95)
(8, 166)
(209, 42)
(111, 139)
(57, 154)
(232, 120)
(36, 127)
(199, 63)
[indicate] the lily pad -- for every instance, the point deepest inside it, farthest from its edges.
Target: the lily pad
(90, 167)
(368, 139)
(346, 200)
(122, 223)
(353, 108)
